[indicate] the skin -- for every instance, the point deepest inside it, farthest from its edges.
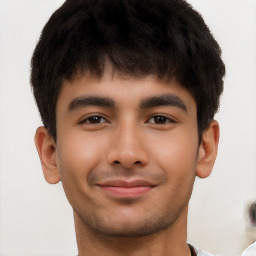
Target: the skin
(127, 163)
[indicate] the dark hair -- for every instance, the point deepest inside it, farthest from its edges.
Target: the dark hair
(166, 38)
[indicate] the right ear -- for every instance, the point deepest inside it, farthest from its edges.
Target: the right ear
(46, 148)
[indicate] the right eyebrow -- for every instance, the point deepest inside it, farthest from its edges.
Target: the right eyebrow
(84, 101)
(163, 100)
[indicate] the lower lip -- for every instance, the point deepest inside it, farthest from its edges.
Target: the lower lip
(130, 192)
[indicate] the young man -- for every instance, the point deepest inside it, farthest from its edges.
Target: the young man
(127, 91)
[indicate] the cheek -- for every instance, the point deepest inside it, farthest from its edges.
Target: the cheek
(176, 153)
(78, 154)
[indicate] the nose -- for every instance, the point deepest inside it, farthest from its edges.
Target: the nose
(127, 148)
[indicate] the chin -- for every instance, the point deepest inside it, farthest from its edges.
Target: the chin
(130, 228)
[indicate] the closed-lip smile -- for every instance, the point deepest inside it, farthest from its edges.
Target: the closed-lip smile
(127, 188)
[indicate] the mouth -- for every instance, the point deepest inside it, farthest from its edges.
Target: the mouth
(126, 189)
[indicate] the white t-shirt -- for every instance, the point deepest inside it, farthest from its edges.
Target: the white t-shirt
(250, 251)
(201, 253)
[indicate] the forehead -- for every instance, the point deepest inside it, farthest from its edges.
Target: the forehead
(122, 90)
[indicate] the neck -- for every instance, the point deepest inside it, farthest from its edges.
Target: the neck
(169, 241)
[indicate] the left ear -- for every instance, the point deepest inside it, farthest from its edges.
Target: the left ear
(46, 148)
(208, 150)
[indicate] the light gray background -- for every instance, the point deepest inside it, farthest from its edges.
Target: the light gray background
(35, 218)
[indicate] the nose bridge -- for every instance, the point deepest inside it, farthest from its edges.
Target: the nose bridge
(127, 145)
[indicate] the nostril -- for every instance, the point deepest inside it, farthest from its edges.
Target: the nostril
(118, 162)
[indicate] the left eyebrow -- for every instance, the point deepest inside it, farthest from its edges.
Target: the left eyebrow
(163, 100)
(82, 101)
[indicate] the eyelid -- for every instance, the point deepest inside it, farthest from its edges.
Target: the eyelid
(86, 117)
(170, 118)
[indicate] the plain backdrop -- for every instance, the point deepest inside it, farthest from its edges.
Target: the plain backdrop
(36, 219)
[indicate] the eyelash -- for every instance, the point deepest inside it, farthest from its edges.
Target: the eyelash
(102, 119)
(86, 120)
(163, 117)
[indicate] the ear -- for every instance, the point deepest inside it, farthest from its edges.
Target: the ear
(208, 150)
(46, 148)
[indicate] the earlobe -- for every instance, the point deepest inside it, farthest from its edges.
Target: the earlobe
(208, 149)
(46, 148)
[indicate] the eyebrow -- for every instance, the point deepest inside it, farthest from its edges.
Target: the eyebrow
(83, 101)
(163, 100)
(155, 101)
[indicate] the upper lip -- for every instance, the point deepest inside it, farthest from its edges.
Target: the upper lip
(127, 183)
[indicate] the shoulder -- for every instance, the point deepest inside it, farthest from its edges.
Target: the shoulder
(250, 251)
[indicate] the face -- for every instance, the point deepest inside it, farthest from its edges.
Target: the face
(126, 152)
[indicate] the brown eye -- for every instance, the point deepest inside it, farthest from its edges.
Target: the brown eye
(94, 120)
(160, 120)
